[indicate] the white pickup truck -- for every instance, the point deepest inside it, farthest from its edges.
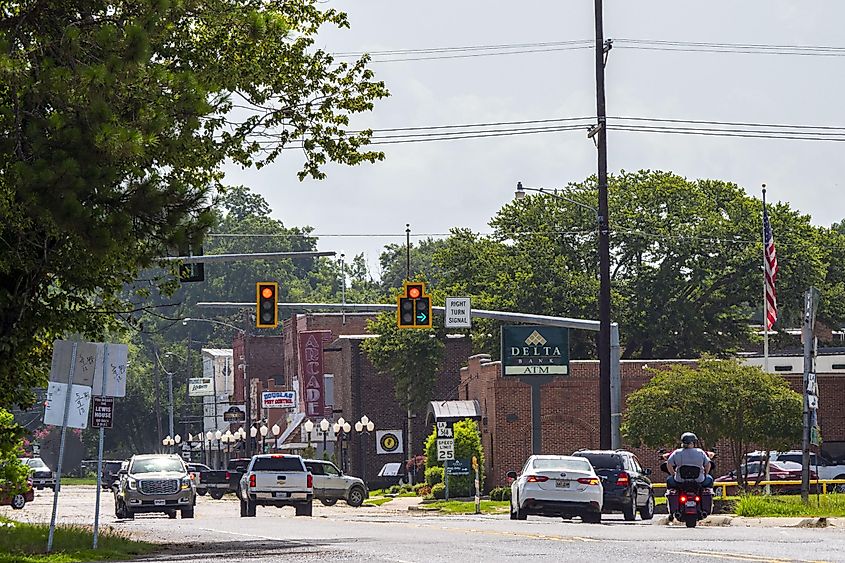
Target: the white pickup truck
(276, 480)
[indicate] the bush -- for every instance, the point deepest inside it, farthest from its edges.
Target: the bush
(422, 490)
(438, 490)
(433, 476)
(394, 490)
(500, 493)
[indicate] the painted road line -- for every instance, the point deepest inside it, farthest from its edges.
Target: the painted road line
(743, 557)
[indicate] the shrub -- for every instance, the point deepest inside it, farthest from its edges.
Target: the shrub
(433, 476)
(439, 491)
(394, 490)
(500, 493)
(422, 490)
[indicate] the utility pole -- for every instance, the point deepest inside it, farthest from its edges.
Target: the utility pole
(604, 238)
(811, 300)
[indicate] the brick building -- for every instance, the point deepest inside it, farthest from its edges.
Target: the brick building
(570, 411)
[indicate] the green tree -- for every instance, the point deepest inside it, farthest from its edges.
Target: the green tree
(13, 474)
(686, 263)
(115, 120)
(718, 400)
(412, 357)
(467, 445)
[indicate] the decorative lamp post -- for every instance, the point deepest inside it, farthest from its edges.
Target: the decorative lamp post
(209, 436)
(276, 430)
(309, 428)
(263, 431)
(168, 442)
(365, 425)
(324, 430)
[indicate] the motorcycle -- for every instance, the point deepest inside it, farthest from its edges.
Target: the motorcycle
(689, 502)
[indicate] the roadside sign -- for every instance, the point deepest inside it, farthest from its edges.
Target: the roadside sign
(89, 367)
(234, 414)
(445, 449)
(444, 429)
(278, 400)
(535, 350)
(103, 412)
(200, 387)
(812, 402)
(458, 467)
(458, 312)
(80, 403)
(389, 442)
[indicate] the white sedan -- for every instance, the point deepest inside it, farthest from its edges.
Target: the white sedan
(556, 485)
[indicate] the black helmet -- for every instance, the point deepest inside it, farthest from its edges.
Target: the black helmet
(688, 438)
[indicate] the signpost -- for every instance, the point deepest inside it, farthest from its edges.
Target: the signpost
(457, 313)
(445, 449)
(535, 354)
(234, 414)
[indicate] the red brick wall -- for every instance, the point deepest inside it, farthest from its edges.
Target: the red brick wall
(569, 411)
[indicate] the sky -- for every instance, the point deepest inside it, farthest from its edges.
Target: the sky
(435, 186)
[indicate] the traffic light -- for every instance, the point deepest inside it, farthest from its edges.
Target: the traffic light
(413, 307)
(267, 304)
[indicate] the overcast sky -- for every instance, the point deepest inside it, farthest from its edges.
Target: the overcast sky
(438, 185)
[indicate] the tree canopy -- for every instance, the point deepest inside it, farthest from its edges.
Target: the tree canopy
(686, 260)
(115, 120)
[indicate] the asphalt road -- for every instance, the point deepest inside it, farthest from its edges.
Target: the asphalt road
(341, 533)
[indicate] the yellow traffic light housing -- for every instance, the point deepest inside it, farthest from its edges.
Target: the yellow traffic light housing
(413, 306)
(266, 304)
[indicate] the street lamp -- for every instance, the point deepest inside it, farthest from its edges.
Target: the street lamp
(605, 419)
(324, 430)
(309, 428)
(363, 426)
(342, 430)
(263, 431)
(276, 431)
(168, 442)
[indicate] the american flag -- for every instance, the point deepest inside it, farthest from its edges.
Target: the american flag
(771, 274)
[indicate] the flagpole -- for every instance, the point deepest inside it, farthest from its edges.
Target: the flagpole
(765, 296)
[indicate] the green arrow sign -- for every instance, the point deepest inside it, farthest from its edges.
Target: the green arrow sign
(421, 317)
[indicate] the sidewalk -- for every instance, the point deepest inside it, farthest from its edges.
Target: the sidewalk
(398, 504)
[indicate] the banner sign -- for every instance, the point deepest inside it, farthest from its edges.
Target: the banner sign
(103, 412)
(278, 400)
(535, 350)
(311, 370)
(389, 442)
(200, 387)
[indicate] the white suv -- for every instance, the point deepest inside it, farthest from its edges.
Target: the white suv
(331, 485)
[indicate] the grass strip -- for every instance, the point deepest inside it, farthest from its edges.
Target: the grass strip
(468, 507)
(27, 543)
(377, 501)
(761, 506)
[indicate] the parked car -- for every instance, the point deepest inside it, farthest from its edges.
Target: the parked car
(155, 483)
(556, 485)
(19, 500)
(218, 482)
(778, 471)
(110, 474)
(42, 476)
(825, 468)
(195, 471)
(331, 485)
(626, 486)
(276, 480)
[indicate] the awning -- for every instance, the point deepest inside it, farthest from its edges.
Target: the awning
(452, 411)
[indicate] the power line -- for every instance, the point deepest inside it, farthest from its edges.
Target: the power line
(472, 51)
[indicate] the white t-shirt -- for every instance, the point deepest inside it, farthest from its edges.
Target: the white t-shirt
(689, 456)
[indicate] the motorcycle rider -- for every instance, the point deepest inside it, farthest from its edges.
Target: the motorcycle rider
(689, 454)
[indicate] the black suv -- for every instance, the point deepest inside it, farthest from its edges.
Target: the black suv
(627, 487)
